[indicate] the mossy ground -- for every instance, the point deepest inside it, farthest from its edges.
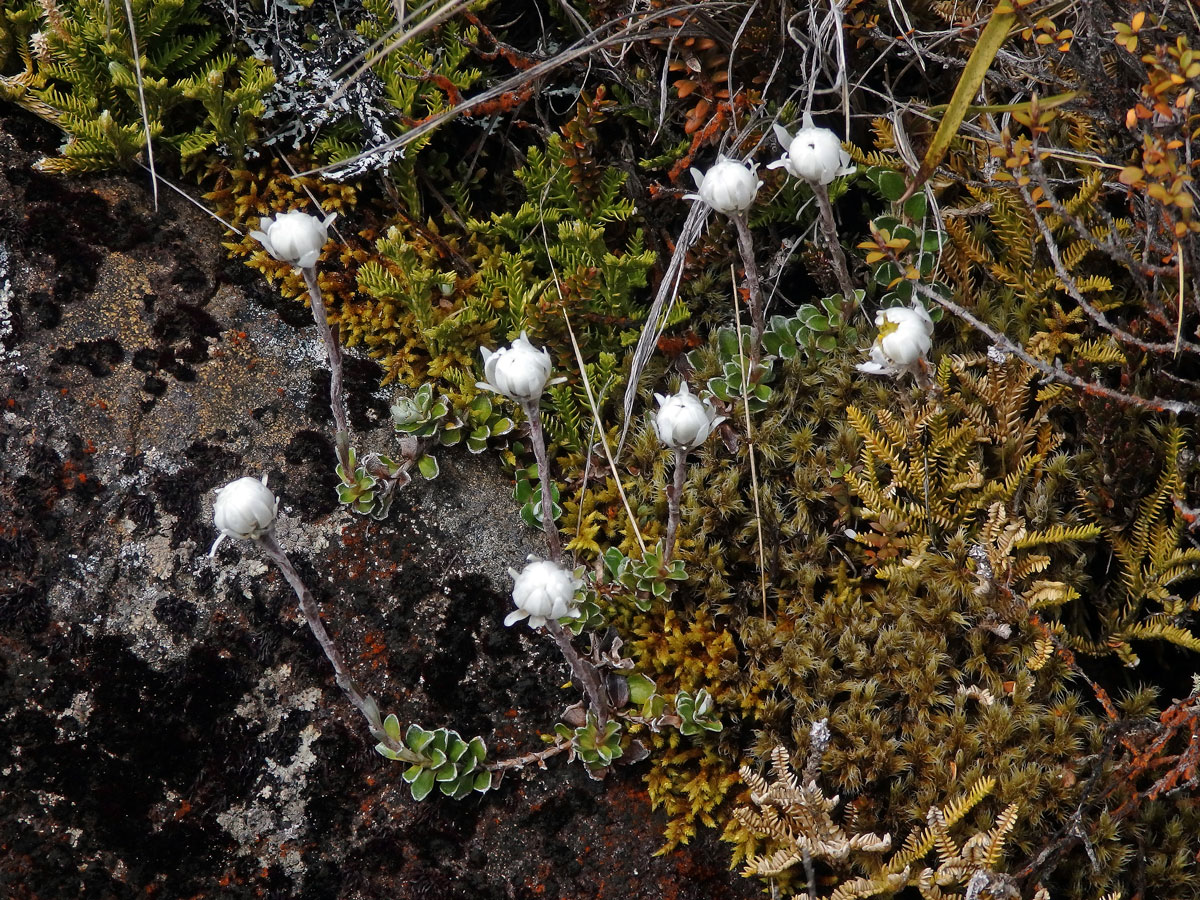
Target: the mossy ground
(956, 575)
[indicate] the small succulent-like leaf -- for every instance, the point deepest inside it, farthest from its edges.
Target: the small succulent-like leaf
(391, 725)
(457, 789)
(417, 738)
(478, 749)
(428, 467)
(641, 689)
(422, 785)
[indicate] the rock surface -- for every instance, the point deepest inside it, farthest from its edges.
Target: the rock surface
(168, 726)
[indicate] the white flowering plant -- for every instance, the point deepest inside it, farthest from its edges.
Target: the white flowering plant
(542, 591)
(904, 341)
(814, 154)
(519, 371)
(684, 421)
(244, 509)
(294, 237)
(727, 187)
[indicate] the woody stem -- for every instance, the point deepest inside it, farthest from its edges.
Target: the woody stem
(674, 497)
(329, 338)
(830, 233)
(312, 615)
(585, 673)
(537, 438)
(753, 287)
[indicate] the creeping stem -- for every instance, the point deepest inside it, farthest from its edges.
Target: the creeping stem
(337, 403)
(674, 497)
(312, 615)
(586, 673)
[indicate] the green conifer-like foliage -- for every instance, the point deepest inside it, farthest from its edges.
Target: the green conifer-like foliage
(567, 249)
(72, 62)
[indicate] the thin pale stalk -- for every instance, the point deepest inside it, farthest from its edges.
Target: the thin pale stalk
(758, 321)
(337, 403)
(830, 233)
(312, 615)
(595, 408)
(585, 673)
(674, 498)
(762, 559)
(537, 438)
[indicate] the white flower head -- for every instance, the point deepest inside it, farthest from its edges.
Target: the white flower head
(728, 186)
(519, 372)
(542, 591)
(814, 154)
(243, 509)
(294, 237)
(683, 421)
(904, 341)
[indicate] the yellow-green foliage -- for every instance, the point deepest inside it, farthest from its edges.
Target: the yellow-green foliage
(77, 70)
(907, 547)
(448, 286)
(242, 196)
(1152, 589)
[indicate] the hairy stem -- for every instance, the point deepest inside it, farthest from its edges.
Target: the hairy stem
(757, 314)
(538, 439)
(586, 673)
(337, 403)
(830, 233)
(312, 615)
(674, 497)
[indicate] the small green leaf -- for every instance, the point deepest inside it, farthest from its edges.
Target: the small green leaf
(531, 516)
(891, 185)
(457, 789)
(391, 725)
(428, 467)
(417, 738)
(641, 689)
(423, 785)
(916, 206)
(478, 749)
(523, 492)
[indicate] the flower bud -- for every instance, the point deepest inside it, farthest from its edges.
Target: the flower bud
(542, 591)
(294, 237)
(814, 154)
(243, 509)
(728, 187)
(904, 341)
(519, 372)
(683, 421)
